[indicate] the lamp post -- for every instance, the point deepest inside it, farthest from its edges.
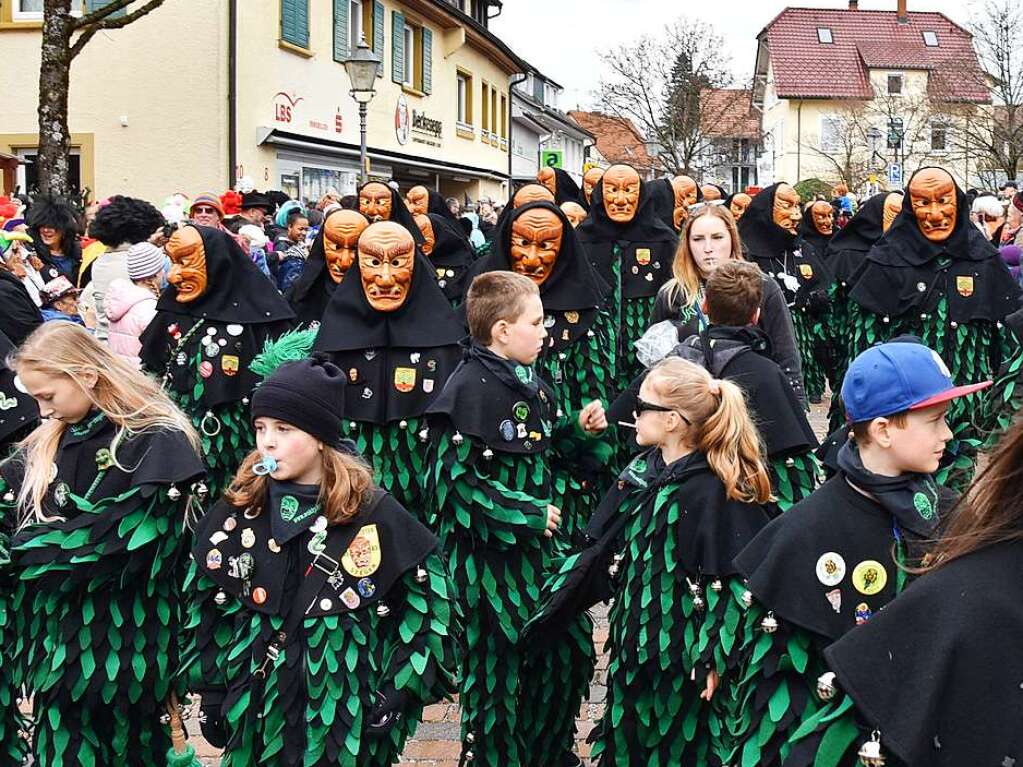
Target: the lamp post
(362, 72)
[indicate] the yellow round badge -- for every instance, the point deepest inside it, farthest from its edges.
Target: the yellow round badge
(869, 577)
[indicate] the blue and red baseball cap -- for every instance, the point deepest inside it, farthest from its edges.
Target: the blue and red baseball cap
(891, 378)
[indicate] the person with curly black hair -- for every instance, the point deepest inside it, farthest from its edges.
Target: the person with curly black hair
(53, 224)
(119, 224)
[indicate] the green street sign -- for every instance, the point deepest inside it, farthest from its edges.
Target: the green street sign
(551, 158)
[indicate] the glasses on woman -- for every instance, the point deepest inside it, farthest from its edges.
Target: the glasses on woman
(643, 406)
(201, 209)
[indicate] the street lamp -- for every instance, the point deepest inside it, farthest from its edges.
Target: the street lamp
(362, 72)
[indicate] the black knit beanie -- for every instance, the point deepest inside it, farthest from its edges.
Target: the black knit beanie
(308, 394)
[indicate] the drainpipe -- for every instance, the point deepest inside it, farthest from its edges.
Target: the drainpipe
(799, 142)
(232, 93)
(511, 123)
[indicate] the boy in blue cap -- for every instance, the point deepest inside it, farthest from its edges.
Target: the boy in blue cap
(837, 557)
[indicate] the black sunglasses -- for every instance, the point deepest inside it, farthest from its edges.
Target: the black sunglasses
(642, 406)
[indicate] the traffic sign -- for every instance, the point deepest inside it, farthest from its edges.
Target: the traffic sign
(895, 174)
(551, 158)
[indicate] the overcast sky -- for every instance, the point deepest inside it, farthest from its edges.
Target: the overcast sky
(562, 38)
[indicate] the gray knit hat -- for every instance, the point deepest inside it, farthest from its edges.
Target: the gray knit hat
(144, 260)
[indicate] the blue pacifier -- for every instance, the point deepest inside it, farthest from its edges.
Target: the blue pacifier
(266, 465)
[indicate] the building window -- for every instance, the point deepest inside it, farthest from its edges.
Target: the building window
(831, 128)
(464, 91)
(411, 51)
(824, 35)
(28, 10)
(493, 111)
(939, 137)
(504, 116)
(485, 109)
(894, 84)
(931, 39)
(355, 18)
(295, 22)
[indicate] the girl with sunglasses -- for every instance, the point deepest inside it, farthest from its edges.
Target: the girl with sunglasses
(666, 534)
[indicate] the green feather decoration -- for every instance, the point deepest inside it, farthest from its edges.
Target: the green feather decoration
(290, 347)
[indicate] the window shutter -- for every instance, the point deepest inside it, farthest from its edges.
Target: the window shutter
(378, 35)
(295, 22)
(397, 47)
(95, 5)
(427, 61)
(340, 30)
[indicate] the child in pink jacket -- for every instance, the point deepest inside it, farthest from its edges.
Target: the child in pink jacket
(131, 306)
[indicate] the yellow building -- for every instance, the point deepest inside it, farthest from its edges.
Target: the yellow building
(200, 93)
(855, 95)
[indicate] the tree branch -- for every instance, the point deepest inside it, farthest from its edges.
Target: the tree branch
(103, 21)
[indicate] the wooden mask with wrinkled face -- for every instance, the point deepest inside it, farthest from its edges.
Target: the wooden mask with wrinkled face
(341, 233)
(823, 217)
(426, 227)
(387, 255)
(418, 200)
(932, 193)
(740, 201)
(574, 212)
(531, 193)
(590, 179)
(375, 202)
(892, 206)
(685, 195)
(535, 242)
(621, 193)
(786, 212)
(188, 264)
(547, 178)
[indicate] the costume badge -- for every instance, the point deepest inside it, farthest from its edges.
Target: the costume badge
(6, 403)
(369, 354)
(350, 598)
(404, 379)
(367, 393)
(806, 270)
(428, 385)
(507, 429)
(521, 411)
(205, 369)
(230, 523)
(61, 493)
(869, 577)
(572, 318)
(274, 546)
(642, 256)
(863, 613)
(524, 374)
(414, 358)
(924, 506)
(363, 555)
(104, 459)
(234, 330)
(214, 559)
(520, 430)
(835, 599)
(289, 507)
(964, 285)
(259, 595)
(431, 365)
(353, 374)
(548, 321)
(830, 569)
(366, 587)
(229, 364)
(218, 537)
(564, 333)
(248, 538)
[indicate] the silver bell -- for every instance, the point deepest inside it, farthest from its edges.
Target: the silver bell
(885, 319)
(747, 598)
(769, 624)
(694, 588)
(402, 424)
(424, 434)
(716, 585)
(173, 493)
(201, 490)
(457, 439)
(9, 497)
(245, 400)
(613, 570)
(870, 753)
(220, 598)
(826, 686)
(698, 603)
(383, 610)
(488, 453)
(469, 756)
(164, 718)
(421, 575)
(470, 738)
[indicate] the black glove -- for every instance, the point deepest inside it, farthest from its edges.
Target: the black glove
(211, 722)
(387, 711)
(817, 303)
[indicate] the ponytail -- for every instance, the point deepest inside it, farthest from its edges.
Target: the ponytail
(724, 431)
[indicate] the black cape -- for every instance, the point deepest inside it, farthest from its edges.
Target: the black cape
(808, 233)
(566, 189)
(647, 243)
(402, 543)
(452, 256)
(20, 316)
(573, 291)
(240, 304)
(941, 666)
(850, 245)
(397, 362)
(711, 531)
(18, 410)
(311, 292)
(907, 273)
(439, 207)
(776, 251)
(782, 562)
(481, 404)
(400, 214)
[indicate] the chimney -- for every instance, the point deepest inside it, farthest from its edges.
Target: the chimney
(903, 14)
(854, 5)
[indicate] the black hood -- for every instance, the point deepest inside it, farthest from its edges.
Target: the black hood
(648, 225)
(311, 292)
(864, 229)
(566, 189)
(761, 237)
(399, 212)
(808, 232)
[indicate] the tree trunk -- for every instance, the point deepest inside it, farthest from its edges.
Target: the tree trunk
(54, 163)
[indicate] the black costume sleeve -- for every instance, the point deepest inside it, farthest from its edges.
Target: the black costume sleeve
(777, 323)
(662, 308)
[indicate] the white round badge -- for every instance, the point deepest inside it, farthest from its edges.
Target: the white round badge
(830, 568)
(234, 330)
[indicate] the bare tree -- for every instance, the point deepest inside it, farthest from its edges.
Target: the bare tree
(656, 83)
(990, 133)
(846, 145)
(64, 37)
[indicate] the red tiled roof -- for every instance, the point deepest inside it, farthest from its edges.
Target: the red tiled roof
(616, 137)
(806, 68)
(728, 113)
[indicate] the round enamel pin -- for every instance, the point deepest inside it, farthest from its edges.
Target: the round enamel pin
(869, 577)
(830, 568)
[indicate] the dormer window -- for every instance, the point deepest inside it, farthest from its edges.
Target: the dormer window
(824, 35)
(931, 39)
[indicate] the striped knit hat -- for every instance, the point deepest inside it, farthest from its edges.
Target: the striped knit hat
(207, 198)
(144, 260)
